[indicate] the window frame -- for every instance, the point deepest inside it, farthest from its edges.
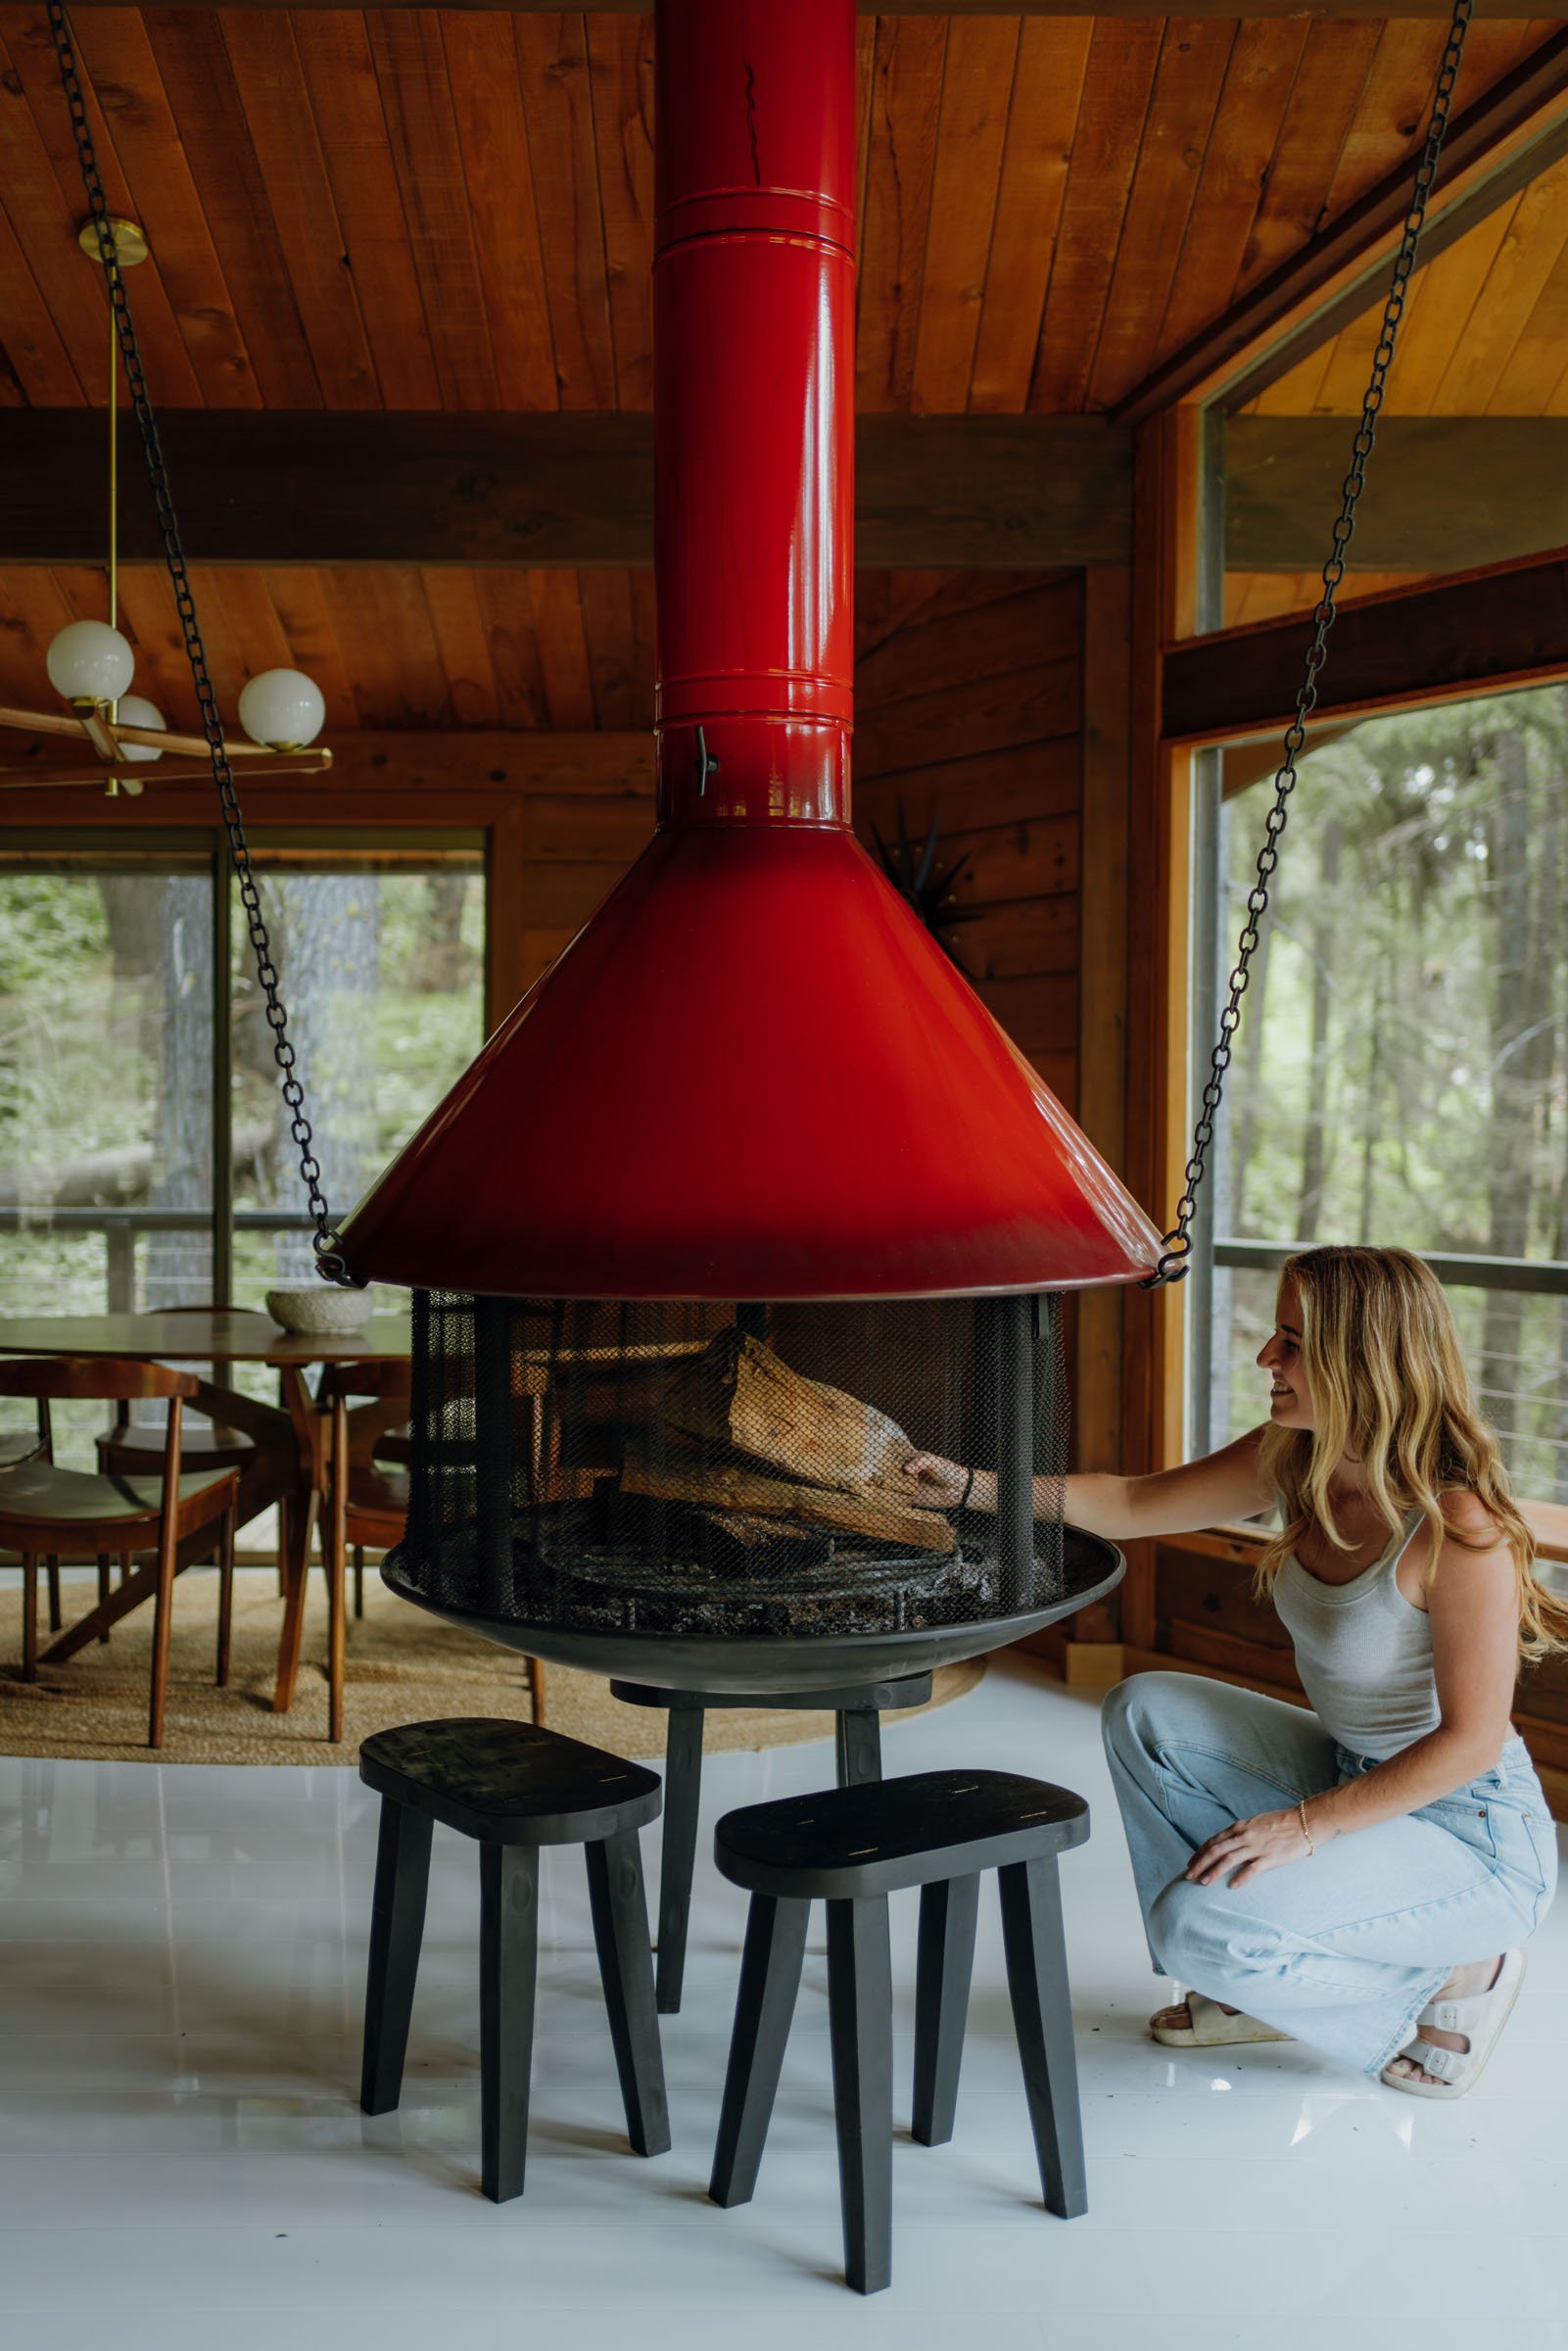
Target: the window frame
(1191, 772)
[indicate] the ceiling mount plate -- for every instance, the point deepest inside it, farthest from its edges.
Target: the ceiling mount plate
(130, 242)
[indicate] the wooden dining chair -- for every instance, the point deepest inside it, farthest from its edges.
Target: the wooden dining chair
(36, 1445)
(366, 1406)
(366, 1502)
(46, 1510)
(130, 1448)
(25, 1444)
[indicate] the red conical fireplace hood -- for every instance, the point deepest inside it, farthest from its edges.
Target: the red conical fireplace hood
(754, 1073)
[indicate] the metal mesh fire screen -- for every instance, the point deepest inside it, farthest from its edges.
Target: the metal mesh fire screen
(735, 1472)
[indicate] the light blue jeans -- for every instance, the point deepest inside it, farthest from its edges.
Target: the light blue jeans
(1343, 1949)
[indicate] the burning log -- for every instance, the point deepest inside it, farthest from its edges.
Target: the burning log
(732, 1488)
(741, 1394)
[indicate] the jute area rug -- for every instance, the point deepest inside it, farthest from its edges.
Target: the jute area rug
(403, 1666)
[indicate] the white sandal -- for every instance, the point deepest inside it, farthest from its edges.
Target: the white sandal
(1479, 2017)
(1211, 2028)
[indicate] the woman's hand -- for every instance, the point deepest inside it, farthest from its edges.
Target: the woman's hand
(934, 1484)
(1269, 1840)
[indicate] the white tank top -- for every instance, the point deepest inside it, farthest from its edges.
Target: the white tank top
(1363, 1652)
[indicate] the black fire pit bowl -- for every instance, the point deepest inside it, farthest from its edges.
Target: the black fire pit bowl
(709, 1495)
(763, 1664)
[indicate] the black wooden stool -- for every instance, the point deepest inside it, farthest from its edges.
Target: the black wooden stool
(854, 1847)
(858, 1741)
(513, 1789)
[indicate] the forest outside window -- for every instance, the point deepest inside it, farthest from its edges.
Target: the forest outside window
(1402, 1070)
(145, 1154)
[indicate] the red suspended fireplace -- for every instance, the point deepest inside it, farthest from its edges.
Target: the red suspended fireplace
(749, 1197)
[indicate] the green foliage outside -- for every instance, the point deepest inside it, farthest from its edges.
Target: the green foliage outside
(105, 1065)
(1402, 1072)
(68, 1082)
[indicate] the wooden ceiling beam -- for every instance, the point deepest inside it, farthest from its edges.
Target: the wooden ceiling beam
(398, 777)
(1468, 633)
(559, 489)
(933, 493)
(1494, 148)
(1441, 491)
(1260, 9)
(616, 764)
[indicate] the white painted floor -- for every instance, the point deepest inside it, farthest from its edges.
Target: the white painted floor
(184, 2163)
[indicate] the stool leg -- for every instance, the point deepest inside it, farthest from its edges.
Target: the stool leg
(1042, 2012)
(621, 1932)
(859, 2002)
(508, 1967)
(683, 1791)
(858, 1746)
(943, 1972)
(358, 1579)
(103, 1586)
(397, 1929)
(770, 1979)
(55, 1619)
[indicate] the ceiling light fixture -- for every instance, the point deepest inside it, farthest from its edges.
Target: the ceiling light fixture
(91, 664)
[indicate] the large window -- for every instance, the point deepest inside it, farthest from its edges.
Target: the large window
(145, 1155)
(1401, 1072)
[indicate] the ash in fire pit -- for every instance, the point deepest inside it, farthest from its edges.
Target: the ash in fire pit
(731, 1473)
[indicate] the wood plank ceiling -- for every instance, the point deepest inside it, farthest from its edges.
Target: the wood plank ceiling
(428, 209)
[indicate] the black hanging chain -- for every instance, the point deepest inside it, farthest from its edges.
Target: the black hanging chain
(327, 1243)
(1177, 1250)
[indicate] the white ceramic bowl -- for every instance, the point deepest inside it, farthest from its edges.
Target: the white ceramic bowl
(321, 1309)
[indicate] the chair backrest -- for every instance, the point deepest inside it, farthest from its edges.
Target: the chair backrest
(17, 1446)
(188, 1306)
(388, 1388)
(92, 1378)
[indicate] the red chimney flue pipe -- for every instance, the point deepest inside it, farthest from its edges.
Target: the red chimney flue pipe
(754, 1073)
(754, 389)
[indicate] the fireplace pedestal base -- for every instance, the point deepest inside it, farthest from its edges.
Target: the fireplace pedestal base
(859, 1749)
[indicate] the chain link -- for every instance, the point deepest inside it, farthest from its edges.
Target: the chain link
(327, 1242)
(1177, 1250)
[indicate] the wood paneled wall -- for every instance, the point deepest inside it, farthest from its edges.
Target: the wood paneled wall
(969, 699)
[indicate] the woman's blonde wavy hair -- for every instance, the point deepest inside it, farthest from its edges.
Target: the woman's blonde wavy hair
(1389, 1385)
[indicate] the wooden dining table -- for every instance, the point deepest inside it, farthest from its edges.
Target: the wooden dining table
(289, 1435)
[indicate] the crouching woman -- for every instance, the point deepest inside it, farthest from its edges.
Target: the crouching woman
(1361, 1877)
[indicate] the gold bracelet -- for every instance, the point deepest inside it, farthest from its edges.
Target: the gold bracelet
(1300, 1806)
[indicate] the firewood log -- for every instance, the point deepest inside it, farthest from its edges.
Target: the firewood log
(741, 1394)
(752, 1532)
(732, 1486)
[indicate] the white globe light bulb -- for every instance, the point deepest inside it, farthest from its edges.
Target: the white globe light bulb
(90, 662)
(135, 711)
(283, 709)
